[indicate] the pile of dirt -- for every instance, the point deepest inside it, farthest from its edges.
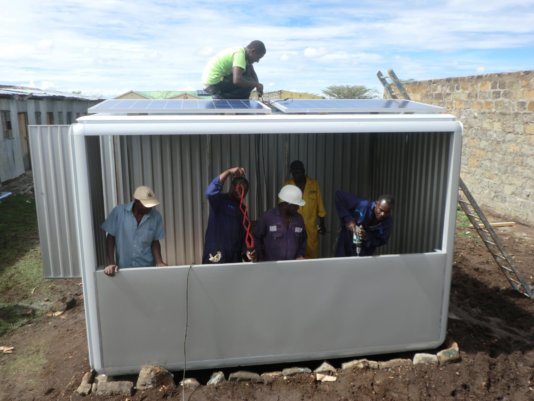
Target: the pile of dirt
(493, 325)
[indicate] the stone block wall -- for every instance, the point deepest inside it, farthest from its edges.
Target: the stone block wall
(497, 111)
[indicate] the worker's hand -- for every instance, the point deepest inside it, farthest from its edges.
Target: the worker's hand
(321, 229)
(161, 264)
(300, 258)
(259, 89)
(237, 171)
(110, 270)
(361, 232)
(351, 226)
(251, 255)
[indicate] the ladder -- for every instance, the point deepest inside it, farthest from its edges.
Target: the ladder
(491, 240)
(393, 88)
(470, 207)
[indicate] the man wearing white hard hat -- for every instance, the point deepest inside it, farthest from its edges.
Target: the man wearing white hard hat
(133, 233)
(280, 233)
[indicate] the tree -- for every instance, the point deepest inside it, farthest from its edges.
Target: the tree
(349, 92)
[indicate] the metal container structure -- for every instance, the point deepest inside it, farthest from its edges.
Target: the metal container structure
(207, 316)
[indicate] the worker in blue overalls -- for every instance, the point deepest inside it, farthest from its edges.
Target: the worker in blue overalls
(225, 235)
(365, 224)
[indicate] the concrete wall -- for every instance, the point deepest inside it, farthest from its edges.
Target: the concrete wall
(497, 111)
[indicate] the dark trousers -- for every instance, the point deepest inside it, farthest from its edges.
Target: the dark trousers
(227, 90)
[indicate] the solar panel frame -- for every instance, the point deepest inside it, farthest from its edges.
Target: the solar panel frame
(335, 106)
(179, 106)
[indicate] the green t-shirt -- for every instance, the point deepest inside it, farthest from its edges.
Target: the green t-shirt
(221, 65)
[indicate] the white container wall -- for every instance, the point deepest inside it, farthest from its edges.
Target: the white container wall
(242, 314)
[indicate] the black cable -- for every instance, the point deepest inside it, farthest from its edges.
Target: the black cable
(186, 330)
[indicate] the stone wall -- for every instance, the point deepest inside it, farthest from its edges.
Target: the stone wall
(497, 111)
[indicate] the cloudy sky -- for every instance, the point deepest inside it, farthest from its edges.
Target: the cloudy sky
(107, 47)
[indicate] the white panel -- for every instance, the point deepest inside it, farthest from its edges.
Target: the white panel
(54, 198)
(270, 312)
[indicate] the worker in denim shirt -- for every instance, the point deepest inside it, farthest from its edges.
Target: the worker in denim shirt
(370, 220)
(224, 241)
(133, 233)
(280, 233)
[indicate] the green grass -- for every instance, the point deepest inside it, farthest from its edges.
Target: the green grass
(14, 315)
(463, 225)
(27, 362)
(21, 277)
(18, 228)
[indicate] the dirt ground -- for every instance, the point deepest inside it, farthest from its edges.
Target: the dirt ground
(492, 324)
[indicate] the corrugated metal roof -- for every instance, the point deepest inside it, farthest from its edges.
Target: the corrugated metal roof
(15, 91)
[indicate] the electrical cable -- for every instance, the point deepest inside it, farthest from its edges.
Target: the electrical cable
(186, 329)
(249, 239)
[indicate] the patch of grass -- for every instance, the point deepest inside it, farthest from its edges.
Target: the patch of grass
(18, 228)
(23, 280)
(21, 272)
(463, 225)
(26, 362)
(13, 316)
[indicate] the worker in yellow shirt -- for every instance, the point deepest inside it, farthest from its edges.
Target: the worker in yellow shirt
(313, 212)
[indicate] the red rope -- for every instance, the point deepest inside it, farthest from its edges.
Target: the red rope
(249, 239)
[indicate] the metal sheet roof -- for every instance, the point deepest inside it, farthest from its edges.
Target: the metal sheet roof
(16, 91)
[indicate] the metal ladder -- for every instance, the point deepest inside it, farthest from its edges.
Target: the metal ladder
(393, 88)
(491, 240)
(470, 207)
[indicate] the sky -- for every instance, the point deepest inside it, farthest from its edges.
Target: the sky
(107, 47)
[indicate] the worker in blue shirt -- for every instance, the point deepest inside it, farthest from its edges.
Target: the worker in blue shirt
(133, 233)
(225, 235)
(280, 233)
(365, 224)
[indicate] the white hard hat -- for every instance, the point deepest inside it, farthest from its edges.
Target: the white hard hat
(291, 194)
(146, 196)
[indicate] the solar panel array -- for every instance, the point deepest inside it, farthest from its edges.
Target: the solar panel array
(288, 106)
(382, 106)
(179, 106)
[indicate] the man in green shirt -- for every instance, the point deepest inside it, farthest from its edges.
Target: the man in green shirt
(230, 74)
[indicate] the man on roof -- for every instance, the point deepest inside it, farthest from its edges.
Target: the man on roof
(133, 232)
(230, 74)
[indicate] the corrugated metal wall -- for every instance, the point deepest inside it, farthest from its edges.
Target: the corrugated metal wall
(54, 198)
(13, 161)
(411, 166)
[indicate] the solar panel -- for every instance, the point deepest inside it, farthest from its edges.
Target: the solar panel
(179, 106)
(311, 106)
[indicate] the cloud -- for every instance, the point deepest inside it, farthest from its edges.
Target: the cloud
(106, 46)
(313, 52)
